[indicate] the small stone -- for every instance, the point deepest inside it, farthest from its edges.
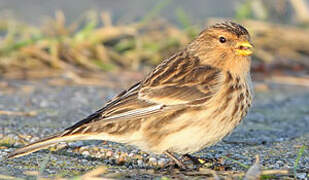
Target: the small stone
(109, 154)
(301, 175)
(96, 149)
(121, 160)
(153, 161)
(6, 150)
(43, 103)
(131, 155)
(162, 162)
(140, 163)
(85, 153)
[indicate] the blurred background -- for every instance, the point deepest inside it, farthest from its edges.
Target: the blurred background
(94, 36)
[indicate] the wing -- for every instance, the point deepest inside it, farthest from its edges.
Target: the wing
(179, 80)
(182, 81)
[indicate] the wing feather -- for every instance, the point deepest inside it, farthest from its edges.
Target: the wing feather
(202, 82)
(192, 85)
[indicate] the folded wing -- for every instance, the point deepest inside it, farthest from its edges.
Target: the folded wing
(181, 83)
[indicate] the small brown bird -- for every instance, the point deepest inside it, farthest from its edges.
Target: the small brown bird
(190, 101)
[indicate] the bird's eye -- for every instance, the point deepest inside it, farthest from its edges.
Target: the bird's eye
(222, 39)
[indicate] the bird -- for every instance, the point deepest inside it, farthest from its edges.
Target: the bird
(190, 101)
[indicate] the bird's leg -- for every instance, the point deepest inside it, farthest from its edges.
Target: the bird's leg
(177, 161)
(194, 159)
(196, 162)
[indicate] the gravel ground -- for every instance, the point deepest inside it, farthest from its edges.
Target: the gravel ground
(276, 129)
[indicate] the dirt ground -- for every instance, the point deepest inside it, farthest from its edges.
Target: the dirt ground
(276, 129)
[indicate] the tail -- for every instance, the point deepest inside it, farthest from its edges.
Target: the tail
(43, 143)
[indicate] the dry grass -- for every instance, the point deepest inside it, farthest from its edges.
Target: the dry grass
(93, 43)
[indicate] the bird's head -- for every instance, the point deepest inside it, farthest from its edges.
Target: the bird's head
(224, 45)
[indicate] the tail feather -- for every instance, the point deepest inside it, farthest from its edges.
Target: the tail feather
(42, 144)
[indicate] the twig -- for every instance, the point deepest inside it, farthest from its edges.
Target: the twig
(209, 172)
(2, 176)
(95, 173)
(254, 172)
(17, 113)
(276, 172)
(237, 162)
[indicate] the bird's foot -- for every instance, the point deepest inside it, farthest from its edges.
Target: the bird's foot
(196, 164)
(209, 163)
(179, 163)
(191, 163)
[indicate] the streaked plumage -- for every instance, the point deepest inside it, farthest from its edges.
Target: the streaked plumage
(190, 101)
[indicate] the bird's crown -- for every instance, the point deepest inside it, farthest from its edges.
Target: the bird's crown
(231, 27)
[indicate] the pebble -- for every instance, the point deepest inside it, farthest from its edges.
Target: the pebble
(44, 104)
(153, 161)
(85, 153)
(109, 154)
(140, 163)
(121, 160)
(162, 162)
(301, 175)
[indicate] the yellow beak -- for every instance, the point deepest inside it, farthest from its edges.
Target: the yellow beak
(244, 48)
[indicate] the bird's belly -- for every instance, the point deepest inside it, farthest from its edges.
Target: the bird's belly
(194, 133)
